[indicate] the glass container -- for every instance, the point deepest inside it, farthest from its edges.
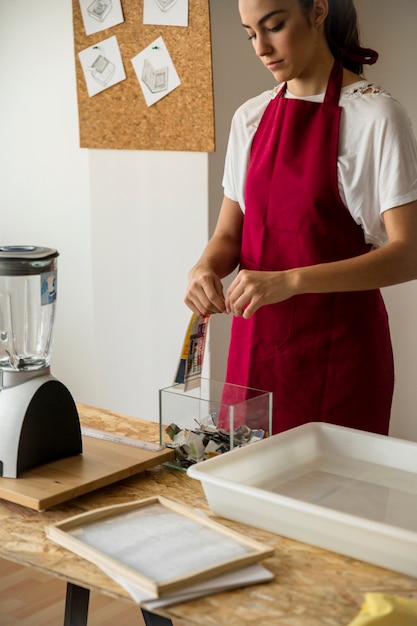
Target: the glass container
(28, 292)
(212, 417)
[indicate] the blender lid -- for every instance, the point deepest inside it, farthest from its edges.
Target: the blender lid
(21, 260)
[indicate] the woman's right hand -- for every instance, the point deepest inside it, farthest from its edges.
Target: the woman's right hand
(204, 294)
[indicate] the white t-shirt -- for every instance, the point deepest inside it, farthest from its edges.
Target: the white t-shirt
(377, 162)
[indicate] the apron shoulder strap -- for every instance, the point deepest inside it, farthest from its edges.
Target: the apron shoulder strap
(334, 85)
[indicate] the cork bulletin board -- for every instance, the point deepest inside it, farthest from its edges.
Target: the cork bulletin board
(119, 117)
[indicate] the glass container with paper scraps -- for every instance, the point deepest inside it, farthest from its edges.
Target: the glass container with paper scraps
(212, 418)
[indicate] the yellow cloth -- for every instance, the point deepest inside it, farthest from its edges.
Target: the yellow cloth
(381, 610)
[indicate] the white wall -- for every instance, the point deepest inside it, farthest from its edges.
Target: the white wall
(237, 76)
(148, 216)
(391, 30)
(126, 223)
(44, 176)
(126, 241)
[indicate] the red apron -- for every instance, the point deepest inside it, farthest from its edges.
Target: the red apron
(325, 357)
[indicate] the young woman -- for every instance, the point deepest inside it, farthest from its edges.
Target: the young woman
(319, 213)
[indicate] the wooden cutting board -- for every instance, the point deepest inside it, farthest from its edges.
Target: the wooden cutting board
(101, 463)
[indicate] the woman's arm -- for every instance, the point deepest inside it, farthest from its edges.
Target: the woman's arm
(394, 263)
(204, 293)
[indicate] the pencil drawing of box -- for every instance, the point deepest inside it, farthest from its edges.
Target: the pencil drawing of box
(155, 79)
(102, 70)
(165, 5)
(99, 9)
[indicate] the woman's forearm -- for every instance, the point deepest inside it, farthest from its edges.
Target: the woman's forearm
(391, 265)
(220, 256)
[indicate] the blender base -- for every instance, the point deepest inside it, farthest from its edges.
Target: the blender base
(39, 423)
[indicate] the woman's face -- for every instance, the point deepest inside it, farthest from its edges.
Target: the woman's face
(289, 42)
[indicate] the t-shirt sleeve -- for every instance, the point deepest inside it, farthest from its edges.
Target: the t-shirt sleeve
(378, 163)
(398, 177)
(243, 128)
(231, 166)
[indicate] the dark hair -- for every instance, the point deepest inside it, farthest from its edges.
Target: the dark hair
(342, 34)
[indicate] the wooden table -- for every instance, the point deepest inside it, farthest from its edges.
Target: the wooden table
(312, 586)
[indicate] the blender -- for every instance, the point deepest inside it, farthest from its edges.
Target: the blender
(39, 420)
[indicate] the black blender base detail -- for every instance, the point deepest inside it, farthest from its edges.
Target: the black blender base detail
(51, 427)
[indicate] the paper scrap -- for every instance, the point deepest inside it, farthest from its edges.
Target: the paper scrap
(207, 440)
(191, 362)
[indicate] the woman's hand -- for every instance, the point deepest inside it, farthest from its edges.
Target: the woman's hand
(252, 289)
(204, 294)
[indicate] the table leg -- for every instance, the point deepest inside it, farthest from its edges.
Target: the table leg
(151, 619)
(76, 609)
(76, 605)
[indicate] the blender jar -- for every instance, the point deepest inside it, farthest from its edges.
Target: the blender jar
(28, 289)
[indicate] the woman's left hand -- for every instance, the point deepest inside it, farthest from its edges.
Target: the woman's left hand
(252, 289)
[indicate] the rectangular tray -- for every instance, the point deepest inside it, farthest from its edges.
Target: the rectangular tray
(157, 543)
(342, 489)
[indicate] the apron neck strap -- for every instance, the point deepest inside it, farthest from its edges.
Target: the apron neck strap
(334, 85)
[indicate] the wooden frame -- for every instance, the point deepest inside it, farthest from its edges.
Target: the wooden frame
(157, 543)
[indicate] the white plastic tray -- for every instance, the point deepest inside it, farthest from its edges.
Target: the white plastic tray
(342, 489)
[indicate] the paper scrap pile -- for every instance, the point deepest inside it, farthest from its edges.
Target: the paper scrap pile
(207, 440)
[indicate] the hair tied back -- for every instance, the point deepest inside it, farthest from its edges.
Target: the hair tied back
(360, 55)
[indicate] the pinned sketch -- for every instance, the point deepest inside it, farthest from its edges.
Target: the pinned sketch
(102, 65)
(165, 12)
(155, 72)
(100, 14)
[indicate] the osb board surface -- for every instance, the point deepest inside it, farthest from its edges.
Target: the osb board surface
(311, 586)
(101, 463)
(118, 117)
